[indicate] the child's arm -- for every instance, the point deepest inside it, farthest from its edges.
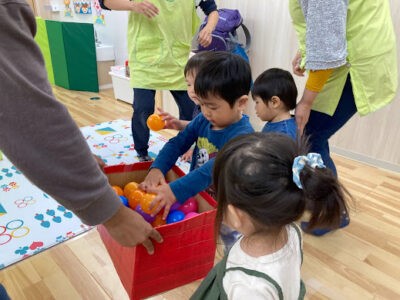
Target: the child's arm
(171, 122)
(177, 146)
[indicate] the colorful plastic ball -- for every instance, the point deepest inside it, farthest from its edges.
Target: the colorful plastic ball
(158, 221)
(130, 187)
(175, 216)
(175, 206)
(155, 122)
(124, 200)
(147, 199)
(190, 215)
(135, 198)
(146, 216)
(118, 190)
(189, 205)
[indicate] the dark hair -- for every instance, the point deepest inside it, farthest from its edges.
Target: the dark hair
(196, 61)
(253, 172)
(224, 75)
(276, 82)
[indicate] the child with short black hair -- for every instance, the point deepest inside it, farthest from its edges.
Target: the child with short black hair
(191, 69)
(275, 94)
(264, 183)
(222, 86)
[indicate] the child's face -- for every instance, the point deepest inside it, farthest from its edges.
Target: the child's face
(264, 111)
(219, 113)
(190, 77)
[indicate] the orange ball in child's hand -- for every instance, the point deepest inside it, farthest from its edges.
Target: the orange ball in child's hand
(118, 190)
(155, 122)
(146, 201)
(130, 187)
(135, 198)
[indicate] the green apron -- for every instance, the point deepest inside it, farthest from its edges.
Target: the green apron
(159, 48)
(211, 288)
(372, 57)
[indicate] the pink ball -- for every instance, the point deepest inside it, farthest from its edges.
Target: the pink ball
(190, 215)
(189, 205)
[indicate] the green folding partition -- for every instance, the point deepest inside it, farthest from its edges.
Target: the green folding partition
(80, 54)
(73, 55)
(58, 56)
(42, 40)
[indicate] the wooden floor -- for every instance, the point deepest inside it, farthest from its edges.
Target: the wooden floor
(359, 262)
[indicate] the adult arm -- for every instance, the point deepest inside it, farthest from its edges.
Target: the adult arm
(210, 9)
(41, 139)
(324, 44)
(145, 7)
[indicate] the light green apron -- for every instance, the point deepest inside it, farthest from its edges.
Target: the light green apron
(159, 48)
(372, 57)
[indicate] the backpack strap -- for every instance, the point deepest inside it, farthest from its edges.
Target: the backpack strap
(248, 37)
(260, 275)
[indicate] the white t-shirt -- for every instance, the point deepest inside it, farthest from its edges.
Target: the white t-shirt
(283, 267)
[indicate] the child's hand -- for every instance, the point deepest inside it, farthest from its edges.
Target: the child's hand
(170, 121)
(154, 178)
(187, 156)
(164, 199)
(99, 161)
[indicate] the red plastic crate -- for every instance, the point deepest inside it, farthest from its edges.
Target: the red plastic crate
(187, 253)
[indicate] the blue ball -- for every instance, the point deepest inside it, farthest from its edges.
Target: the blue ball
(124, 200)
(175, 216)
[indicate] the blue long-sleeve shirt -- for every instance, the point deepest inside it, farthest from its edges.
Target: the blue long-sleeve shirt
(208, 143)
(288, 127)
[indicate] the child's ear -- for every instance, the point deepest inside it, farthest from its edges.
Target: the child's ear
(275, 101)
(242, 102)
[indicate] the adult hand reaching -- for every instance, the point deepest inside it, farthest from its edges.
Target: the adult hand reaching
(145, 8)
(129, 229)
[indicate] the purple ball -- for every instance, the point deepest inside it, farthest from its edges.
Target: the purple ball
(175, 216)
(175, 206)
(146, 216)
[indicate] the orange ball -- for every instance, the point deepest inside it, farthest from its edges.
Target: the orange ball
(135, 198)
(118, 190)
(158, 221)
(146, 201)
(155, 122)
(130, 187)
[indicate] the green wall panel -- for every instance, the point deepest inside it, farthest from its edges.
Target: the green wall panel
(80, 54)
(58, 58)
(42, 40)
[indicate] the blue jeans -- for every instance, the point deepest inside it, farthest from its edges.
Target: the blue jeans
(321, 127)
(3, 293)
(143, 107)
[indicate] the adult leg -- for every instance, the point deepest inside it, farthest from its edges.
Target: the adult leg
(185, 105)
(321, 127)
(143, 107)
(3, 293)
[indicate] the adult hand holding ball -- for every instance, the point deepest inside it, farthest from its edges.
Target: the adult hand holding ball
(155, 122)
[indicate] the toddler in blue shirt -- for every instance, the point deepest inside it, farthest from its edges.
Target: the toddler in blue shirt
(275, 94)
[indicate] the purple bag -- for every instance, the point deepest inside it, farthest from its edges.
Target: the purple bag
(224, 37)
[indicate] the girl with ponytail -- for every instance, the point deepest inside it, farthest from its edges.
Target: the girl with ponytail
(264, 183)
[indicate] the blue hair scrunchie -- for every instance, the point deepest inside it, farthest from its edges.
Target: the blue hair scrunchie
(312, 159)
